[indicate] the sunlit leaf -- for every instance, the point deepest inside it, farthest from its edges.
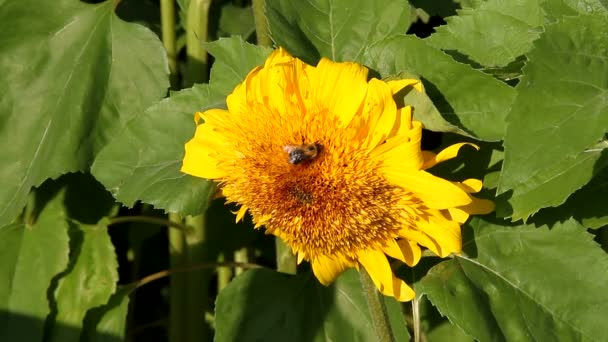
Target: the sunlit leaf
(560, 114)
(493, 34)
(466, 98)
(73, 74)
(142, 163)
(523, 283)
(263, 305)
(338, 29)
(88, 283)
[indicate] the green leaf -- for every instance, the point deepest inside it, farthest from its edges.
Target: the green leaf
(236, 21)
(466, 98)
(423, 108)
(338, 29)
(108, 322)
(263, 305)
(587, 205)
(89, 281)
(559, 8)
(234, 59)
(495, 33)
(523, 284)
(448, 332)
(31, 256)
(560, 113)
(143, 161)
(70, 81)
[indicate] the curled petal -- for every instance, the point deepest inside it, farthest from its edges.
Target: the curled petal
(447, 153)
(378, 268)
(327, 269)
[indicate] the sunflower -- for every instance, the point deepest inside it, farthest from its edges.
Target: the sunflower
(323, 158)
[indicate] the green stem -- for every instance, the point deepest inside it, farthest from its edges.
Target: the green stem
(286, 261)
(416, 317)
(198, 282)
(167, 20)
(241, 256)
(197, 33)
(261, 24)
(178, 282)
(224, 274)
(149, 219)
(377, 308)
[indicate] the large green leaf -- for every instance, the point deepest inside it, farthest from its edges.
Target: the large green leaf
(73, 74)
(108, 323)
(587, 205)
(524, 284)
(263, 305)
(560, 114)
(493, 34)
(338, 29)
(467, 98)
(143, 161)
(88, 283)
(31, 256)
(234, 59)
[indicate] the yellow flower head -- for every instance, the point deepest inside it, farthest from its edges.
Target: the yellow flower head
(324, 159)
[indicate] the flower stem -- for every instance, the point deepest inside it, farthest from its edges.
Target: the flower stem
(261, 24)
(196, 34)
(167, 20)
(286, 261)
(198, 282)
(416, 317)
(377, 308)
(178, 282)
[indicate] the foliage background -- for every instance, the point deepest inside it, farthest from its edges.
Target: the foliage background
(95, 112)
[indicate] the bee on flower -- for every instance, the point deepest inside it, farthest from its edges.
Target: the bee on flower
(323, 158)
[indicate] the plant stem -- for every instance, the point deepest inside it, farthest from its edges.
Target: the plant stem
(261, 24)
(196, 34)
(224, 274)
(178, 282)
(241, 255)
(416, 317)
(286, 261)
(150, 219)
(377, 308)
(167, 20)
(198, 282)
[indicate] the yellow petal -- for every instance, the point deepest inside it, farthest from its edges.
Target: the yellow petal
(327, 269)
(435, 192)
(397, 85)
(401, 151)
(341, 87)
(241, 213)
(403, 123)
(457, 215)
(411, 251)
(403, 250)
(378, 268)
(446, 154)
(421, 238)
(472, 185)
(199, 160)
(445, 233)
(478, 206)
(381, 112)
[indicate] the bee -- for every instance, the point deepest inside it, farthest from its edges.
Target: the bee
(301, 153)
